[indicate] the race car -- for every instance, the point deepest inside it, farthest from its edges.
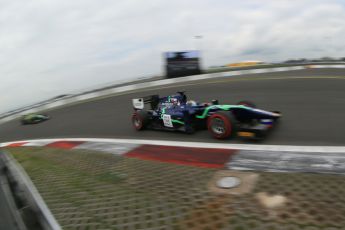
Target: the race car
(176, 113)
(34, 118)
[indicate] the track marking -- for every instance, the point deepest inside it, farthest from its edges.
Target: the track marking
(270, 148)
(288, 162)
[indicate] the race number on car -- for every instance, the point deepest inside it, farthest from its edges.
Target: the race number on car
(167, 121)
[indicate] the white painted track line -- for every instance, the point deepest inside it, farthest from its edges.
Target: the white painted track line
(271, 148)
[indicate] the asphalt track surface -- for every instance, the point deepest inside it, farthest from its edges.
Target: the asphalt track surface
(312, 102)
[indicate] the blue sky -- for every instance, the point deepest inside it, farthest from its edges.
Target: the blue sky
(48, 48)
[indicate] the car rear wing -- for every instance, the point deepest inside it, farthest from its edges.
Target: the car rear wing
(139, 103)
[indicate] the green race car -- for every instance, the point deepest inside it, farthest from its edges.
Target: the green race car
(34, 118)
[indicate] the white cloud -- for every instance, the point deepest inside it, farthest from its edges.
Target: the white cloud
(55, 47)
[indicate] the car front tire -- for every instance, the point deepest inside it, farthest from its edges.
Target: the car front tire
(222, 125)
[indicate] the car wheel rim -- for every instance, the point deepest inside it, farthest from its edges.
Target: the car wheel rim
(137, 122)
(218, 126)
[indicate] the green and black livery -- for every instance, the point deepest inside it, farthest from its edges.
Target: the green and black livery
(176, 113)
(34, 118)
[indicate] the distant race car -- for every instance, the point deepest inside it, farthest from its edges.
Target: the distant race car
(175, 112)
(34, 118)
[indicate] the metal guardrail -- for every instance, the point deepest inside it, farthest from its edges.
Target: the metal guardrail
(34, 211)
(10, 218)
(28, 108)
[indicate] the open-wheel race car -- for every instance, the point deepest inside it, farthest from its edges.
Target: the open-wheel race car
(34, 118)
(176, 113)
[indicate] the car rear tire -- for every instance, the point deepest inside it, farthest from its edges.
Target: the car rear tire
(247, 103)
(140, 120)
(222, 125)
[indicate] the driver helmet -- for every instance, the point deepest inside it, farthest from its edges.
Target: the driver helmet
(174, 101)
(191, 103)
